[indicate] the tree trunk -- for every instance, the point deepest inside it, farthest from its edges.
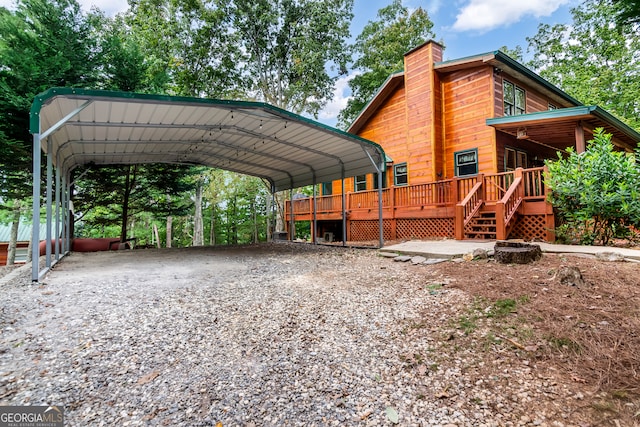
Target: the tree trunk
(212, 234)
(269, 218)
(255, 221)
(157, 235)
(169, 227)
(516, 253)
(129, 183)
(234, 223)
(13, 237)
(198, 227)
(280, 198)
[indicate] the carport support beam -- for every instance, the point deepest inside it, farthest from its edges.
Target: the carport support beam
(315, 211)
(381, 223)
(49, 201)
(291, 213)
(57, 215)
(35, 235)
(344, 213)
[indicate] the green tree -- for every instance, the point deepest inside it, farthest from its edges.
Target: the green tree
(592, 59)
(628, 11)
(44, 43)
(380, 50)
(188, 46)
(291, 47)
(597, 193)
(116, 195)
(515, 53)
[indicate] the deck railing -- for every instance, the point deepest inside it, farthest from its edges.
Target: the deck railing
(467, 208)
(496, 185)
(507, 207)
(533, 183)
(437, 193)
(445, 193)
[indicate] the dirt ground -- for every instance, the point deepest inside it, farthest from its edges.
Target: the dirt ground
(589, 334)
(587, 337)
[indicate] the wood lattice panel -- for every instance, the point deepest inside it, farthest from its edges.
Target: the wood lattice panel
(530, 227)
(365, 230)
(424, 228)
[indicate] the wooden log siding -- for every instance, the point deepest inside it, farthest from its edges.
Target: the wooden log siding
(466, 107)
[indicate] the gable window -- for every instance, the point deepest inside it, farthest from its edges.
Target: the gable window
(360, 183)
(514, 99)
(400, 174)
(466, 162)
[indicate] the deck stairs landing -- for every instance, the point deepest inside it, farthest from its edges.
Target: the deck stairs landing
(481, 226)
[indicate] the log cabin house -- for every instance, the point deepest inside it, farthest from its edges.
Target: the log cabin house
(466, 141)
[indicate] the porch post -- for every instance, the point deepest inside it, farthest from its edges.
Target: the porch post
(580, 144)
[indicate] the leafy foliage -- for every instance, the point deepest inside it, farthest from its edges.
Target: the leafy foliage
(380, 49)
(44, 43)
(117, 195)
(597, 193)
(291, 45)
(628, 11)
(593, 59)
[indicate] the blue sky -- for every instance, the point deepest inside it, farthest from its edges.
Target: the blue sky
(467, 27)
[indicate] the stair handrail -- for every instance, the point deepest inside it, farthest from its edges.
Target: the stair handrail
(472, 203)
(507, 207)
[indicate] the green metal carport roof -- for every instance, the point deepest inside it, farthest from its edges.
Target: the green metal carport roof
(288, 150)
(76, 127)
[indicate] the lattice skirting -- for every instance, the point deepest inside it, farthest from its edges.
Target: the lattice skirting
(365, 230)
(529, 227)
(425, 228)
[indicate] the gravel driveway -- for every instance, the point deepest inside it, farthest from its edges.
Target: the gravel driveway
(273, 335)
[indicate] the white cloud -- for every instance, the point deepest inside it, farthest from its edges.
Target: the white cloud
(485, 15)
(341, 95)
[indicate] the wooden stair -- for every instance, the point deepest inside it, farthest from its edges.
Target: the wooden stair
(481, 226)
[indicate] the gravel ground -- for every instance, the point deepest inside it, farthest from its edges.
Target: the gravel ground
(270, 335)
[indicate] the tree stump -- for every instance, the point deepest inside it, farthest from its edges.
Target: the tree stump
(516, 253)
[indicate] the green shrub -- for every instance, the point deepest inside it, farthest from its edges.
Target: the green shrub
(596, 193)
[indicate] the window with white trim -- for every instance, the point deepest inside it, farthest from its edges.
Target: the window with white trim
(360, 183)
(466, 162)
(400, 174)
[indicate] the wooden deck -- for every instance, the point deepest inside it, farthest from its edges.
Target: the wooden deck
(508, 197)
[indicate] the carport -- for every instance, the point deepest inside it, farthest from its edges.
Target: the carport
(76, 127)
